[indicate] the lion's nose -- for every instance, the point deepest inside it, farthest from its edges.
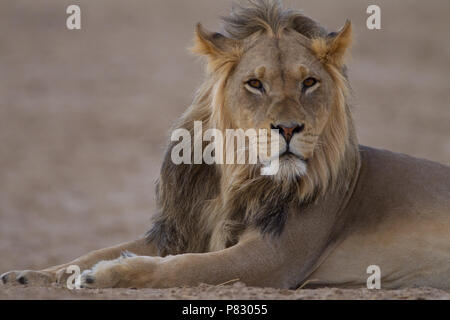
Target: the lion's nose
(288, 131)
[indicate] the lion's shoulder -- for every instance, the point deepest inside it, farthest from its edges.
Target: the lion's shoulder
(396, 179)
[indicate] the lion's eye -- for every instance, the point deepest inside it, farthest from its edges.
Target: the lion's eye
(309, 82)
(256, 84)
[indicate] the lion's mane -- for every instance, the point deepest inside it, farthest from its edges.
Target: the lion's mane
(206, 207)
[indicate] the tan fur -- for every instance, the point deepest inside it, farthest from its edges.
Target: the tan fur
(327, 214)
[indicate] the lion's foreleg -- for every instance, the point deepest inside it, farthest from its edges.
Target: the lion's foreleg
(254, 261)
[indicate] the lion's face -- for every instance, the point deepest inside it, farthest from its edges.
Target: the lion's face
(284, 74)
(280, 84)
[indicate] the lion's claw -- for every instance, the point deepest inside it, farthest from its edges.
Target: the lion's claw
(4, 278)
(27, 277)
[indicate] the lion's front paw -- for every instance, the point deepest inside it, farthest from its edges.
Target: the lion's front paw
(129, 271)
(105, 274)
(28, 277)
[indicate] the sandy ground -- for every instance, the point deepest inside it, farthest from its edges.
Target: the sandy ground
(84, 118)
(235, 291)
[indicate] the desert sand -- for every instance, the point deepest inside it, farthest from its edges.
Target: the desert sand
(85, 116)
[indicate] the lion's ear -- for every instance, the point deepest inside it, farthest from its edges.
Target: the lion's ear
(218, 48)
(333, 48)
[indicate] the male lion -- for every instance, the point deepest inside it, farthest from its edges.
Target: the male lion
(334, 207)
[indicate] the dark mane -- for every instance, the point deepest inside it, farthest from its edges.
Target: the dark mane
(250, 16)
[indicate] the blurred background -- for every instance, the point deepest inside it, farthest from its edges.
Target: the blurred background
(84, 114)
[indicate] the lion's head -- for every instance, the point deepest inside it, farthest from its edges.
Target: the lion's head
(270, 68)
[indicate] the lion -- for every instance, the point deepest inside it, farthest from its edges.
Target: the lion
(334, 207)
